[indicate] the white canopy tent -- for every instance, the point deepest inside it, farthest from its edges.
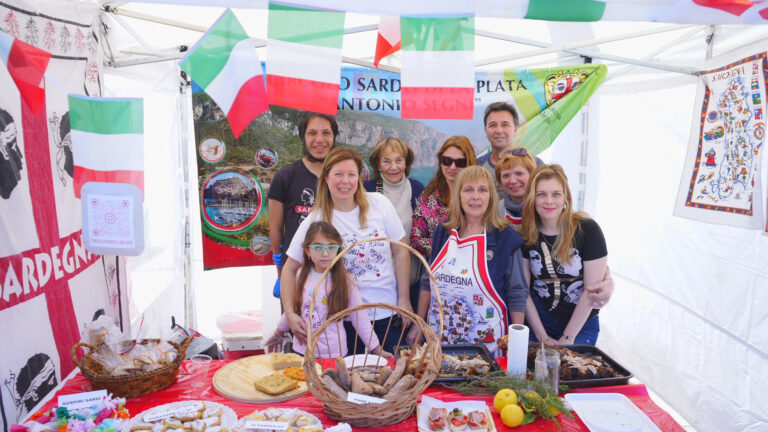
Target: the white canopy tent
(689, 316)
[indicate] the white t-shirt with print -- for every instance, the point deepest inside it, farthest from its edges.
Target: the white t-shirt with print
(370, 263)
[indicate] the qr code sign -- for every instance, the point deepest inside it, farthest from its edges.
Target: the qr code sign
(111, 221)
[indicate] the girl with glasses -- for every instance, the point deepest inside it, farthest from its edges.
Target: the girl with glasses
(339, 291)
(431, 210)
(382, 270)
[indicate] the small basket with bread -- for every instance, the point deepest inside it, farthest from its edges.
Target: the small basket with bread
(125, 373)
(394, 388)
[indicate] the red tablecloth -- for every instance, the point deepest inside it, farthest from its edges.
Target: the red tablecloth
(183, 389)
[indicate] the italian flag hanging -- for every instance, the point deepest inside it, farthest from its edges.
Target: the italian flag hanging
(107, 140)
(26, 65)
(225, 65)
(437, 68)
(304, 58)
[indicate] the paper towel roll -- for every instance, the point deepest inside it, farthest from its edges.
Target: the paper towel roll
(517, 350)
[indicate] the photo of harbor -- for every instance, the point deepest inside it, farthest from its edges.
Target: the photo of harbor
(232, 200)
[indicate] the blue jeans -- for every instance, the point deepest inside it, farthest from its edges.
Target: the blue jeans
(555, 327)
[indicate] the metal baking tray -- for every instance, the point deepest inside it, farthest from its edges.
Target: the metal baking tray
(471, 350)
(624, 374)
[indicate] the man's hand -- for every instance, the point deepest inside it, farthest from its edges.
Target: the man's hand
(600, 293)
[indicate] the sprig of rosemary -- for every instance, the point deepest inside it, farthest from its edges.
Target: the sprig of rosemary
(536, 398)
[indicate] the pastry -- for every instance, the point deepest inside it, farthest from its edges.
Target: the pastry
(457, 420)
(296, 373)
(275, 384)
(477, 420)
(282, 361)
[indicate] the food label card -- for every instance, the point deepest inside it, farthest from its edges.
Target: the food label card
(363, 399)
(160, 416)
(265, 424)
(81, 400)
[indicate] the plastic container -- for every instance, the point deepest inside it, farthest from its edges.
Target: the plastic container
(241, 334)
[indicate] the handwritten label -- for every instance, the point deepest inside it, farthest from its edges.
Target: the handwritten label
(265, 424)
(81, 400)
(159, 416)
(363, 399)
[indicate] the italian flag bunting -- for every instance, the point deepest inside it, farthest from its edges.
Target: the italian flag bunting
(304, 58)
(26, 65)
(438, 73)
(107, 140)
(225, 65)
(388, 39)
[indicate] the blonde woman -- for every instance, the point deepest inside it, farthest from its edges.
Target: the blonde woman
(564, 252)
(477, 261)
(382, 271)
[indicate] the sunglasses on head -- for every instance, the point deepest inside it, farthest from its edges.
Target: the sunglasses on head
(332, 249)
(517, 151)
(447, 161)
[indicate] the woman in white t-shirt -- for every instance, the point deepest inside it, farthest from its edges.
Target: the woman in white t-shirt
(382, 270)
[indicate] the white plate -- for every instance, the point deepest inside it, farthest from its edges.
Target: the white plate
(361, 360)
(610, 412)
(228, 417)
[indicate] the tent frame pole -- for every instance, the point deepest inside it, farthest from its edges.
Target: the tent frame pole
(574, 48)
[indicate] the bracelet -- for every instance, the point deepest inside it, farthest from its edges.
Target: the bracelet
(546, 339)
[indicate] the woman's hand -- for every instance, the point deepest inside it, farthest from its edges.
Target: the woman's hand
(414, 336)
(405, 304)
(275, 342)
(380, 352)
(298, 326)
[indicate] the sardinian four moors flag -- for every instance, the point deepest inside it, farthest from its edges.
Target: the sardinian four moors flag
(225, 65)
(108, 140)
(438, 75)
(304, 58)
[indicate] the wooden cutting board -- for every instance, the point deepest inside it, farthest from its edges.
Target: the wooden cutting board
(235, 381)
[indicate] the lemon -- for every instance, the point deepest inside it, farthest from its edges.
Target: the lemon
(503, 398)
(512, 415)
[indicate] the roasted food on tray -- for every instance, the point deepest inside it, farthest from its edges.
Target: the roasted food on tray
(576, 366)
(457, 364)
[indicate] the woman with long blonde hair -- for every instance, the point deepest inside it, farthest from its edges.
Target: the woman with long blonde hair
(478, 263)
(382, 271)
(564, 252)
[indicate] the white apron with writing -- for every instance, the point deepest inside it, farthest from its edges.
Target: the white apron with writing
(473, 312)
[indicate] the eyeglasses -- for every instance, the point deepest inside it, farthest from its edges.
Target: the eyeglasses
(332, 249)
(517, 151)
(447, 161)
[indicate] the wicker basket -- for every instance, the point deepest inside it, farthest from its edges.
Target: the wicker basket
(134, 384)
(391, 411)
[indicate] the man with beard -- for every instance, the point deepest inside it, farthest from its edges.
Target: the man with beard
(10, 155)
(292, 192)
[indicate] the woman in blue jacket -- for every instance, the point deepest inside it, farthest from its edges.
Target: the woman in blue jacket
(477, 261)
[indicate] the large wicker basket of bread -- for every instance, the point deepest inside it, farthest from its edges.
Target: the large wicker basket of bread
(397, 386)
(127, 375)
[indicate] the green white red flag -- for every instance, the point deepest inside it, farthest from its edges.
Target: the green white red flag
(26, 65)
(438, 73)
(388, 39)
(304, 58)
(107, 140)
(225, 65)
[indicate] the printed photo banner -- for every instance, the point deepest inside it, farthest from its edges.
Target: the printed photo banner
(721, 180)
(235, 174)
(50, 285)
